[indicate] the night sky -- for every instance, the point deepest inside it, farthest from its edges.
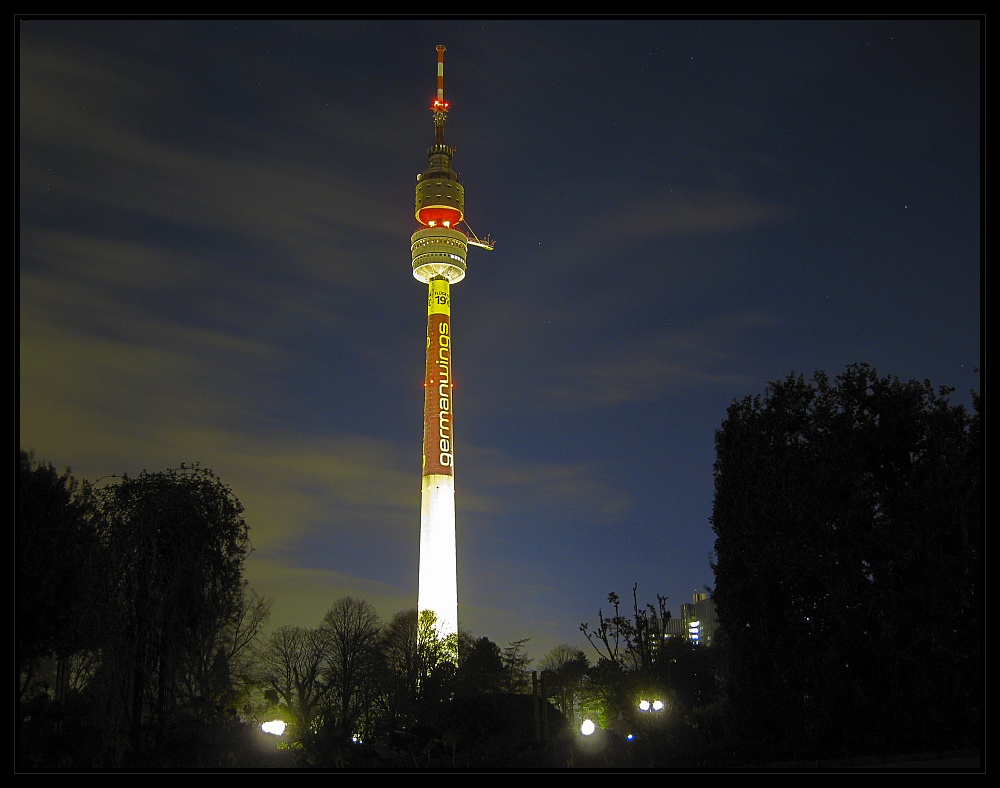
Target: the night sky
(214, 267)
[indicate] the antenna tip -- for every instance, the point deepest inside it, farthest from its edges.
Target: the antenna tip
(440, 47)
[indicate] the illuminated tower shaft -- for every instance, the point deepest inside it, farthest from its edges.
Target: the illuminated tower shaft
(438, 580)
(439, 250)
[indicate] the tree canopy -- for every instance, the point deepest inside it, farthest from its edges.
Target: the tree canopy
(55, 548)
(848, 519)
(172, 546)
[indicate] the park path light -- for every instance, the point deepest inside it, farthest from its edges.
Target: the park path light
(274, 727)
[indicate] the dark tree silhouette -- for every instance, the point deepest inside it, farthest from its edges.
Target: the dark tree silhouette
(350, 632)
(480, 669)
(173, 545)
(563, 671)
(848, 518)
(516, 677)
(55, 544)
(291, 665)
(401, 669)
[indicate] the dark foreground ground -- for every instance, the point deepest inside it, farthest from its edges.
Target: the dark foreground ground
(953, 761)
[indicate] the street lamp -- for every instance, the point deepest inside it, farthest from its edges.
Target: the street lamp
(275, 727)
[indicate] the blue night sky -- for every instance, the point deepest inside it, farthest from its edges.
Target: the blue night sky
(214, 224)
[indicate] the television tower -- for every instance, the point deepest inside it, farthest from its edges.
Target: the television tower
(439, 250)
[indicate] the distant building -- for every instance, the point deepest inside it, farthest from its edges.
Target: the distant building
(696, 622)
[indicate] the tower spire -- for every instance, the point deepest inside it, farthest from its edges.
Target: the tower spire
(440, 106)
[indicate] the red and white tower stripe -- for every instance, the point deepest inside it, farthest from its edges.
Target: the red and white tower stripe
(440, 51)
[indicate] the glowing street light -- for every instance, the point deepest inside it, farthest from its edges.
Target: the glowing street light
(275, 727)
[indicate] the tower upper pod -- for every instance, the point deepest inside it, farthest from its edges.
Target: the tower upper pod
(439, 249)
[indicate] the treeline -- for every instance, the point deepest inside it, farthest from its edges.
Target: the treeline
(848, 522)
(140, 646)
